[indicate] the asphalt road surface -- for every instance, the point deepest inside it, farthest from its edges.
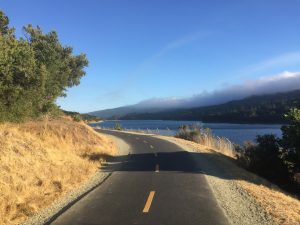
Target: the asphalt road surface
(157, 183)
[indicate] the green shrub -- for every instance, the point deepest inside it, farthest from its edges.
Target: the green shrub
(191, 133)
(77, 117)
(265, 159)
(291, 145)
(277, 159)
(118, 126)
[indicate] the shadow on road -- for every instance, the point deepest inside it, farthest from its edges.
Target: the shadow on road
(171, 158)
(171, 161)
(182, 162)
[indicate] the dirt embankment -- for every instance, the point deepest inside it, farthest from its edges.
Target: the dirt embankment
(43, 160)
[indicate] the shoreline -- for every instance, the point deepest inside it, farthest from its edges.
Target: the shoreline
(197, 121)
(236, 133)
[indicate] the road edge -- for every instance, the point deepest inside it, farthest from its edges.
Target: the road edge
(53, 211)
(236, 203)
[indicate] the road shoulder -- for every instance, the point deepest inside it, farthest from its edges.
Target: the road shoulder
(49, 214)
(221, 174)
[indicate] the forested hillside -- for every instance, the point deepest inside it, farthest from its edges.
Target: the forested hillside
(255, 109)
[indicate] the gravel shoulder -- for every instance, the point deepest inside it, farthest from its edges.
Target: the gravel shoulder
(47, 215)
(222, 175)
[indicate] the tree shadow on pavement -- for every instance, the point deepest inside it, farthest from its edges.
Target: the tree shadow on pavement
(213, 164)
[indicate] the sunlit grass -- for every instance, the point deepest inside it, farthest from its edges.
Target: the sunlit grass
(41, 161)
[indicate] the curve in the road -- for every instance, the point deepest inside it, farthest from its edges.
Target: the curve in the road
(157, 183)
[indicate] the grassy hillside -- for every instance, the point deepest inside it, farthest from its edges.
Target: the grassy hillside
(256, 109)
(43, 160)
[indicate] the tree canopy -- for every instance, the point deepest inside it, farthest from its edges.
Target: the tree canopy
(277, 159)
(34, 71)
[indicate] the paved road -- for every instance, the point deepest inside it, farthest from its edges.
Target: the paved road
(157, 183)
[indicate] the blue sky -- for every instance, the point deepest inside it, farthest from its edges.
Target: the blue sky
(142, 49)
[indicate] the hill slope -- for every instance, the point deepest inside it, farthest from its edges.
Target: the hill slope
(119, 112)
(255, 109)
(43, 160)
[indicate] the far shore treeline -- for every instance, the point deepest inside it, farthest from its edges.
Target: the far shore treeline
(35, 70)
(263, 109)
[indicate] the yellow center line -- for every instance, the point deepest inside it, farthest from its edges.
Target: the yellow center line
(148, 202)
(157, 168)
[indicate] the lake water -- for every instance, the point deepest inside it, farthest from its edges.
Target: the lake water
(237, 133)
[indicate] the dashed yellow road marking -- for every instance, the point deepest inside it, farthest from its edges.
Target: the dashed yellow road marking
(148, 202)
(157, 168)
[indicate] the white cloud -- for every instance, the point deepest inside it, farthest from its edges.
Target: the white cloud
(285, 81)
(283, 75)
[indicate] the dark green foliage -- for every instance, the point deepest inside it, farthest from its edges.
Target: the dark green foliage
(34, 72)
(118, 126)
(191, 133)
(256, 109)
(265, 159)
(291, 144)
(4, 21)
(277, 159)
(77, 118)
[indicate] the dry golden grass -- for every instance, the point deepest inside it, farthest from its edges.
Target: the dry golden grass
(40, 161)
(223, 149)
(220, 145)
(283, 208)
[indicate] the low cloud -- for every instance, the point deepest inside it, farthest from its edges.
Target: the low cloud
(283, 82)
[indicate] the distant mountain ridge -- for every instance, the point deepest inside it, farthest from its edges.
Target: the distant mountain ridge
(268, 108)
(119, 112)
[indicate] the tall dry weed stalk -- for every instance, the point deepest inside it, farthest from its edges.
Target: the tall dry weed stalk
(205, 137)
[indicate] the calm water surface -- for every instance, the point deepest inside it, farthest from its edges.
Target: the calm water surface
(237, 133)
